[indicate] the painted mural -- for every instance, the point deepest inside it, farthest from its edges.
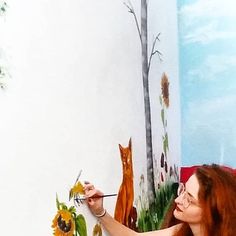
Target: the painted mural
(153, 204)
(69, 221)
(207, 36)
(151, 208)
(158, 214)
(142, 28)
(87, 76)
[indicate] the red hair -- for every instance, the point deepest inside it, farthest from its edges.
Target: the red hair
(217, 196)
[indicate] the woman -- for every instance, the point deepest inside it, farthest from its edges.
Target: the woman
(205, 206)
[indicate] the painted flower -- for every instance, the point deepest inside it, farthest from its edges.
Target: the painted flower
(77, 189)
(165, 89)
(97, 230)
(162, 159)
(63, 223)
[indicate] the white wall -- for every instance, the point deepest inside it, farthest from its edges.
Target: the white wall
(75, 92)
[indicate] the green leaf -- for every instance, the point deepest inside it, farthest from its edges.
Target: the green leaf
(167, 141)
(72, 209)
(162, 116)
(60, 205)
(160, 99)
(64, 207)
(80, 224)
(57, 202)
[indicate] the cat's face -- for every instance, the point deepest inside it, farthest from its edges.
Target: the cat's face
(126, 157)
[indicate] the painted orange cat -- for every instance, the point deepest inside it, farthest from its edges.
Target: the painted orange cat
(124, 209)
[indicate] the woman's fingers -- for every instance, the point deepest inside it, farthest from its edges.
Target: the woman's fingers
(90, 191)
(93, 198)
(88, 186)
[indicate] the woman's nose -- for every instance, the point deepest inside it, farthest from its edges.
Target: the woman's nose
(179, 199)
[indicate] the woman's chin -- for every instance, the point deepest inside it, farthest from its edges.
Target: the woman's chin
(177, 213)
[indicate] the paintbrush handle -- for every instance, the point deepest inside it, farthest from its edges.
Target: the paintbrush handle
(101, 196)
(106, 195)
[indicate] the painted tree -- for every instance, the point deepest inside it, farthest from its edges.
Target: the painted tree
(146, 63)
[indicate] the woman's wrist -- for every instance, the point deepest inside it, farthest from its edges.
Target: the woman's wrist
(101, 214)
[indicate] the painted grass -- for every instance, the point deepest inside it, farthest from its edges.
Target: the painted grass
(152, 218)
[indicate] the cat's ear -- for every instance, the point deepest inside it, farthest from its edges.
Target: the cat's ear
(130, 143)
(120, 147)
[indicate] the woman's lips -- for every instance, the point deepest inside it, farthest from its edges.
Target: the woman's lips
(178, 209)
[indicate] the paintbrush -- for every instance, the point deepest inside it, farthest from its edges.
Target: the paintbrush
(97, 196)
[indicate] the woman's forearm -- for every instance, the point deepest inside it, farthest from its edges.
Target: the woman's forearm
(114, 228)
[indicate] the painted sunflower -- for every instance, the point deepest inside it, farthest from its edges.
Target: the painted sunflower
(67, 222)
(165, 89)
(63, 223)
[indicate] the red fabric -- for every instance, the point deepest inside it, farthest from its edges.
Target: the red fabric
(187, 171)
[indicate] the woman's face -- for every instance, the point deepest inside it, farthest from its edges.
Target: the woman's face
(187, 205)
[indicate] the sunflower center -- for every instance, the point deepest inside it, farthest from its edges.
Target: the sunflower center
(63, 226)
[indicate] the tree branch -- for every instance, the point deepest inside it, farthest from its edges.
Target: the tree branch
(153, 51)
(131, 10)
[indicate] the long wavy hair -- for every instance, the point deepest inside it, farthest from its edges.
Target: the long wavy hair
(217, 196)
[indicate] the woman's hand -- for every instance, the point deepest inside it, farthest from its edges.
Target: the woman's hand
(94, 202)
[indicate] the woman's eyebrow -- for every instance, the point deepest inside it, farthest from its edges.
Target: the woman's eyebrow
(191, 195)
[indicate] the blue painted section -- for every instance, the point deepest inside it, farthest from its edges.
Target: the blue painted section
(207, 33)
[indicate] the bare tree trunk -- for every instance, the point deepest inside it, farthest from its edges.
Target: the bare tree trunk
(149, 151)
